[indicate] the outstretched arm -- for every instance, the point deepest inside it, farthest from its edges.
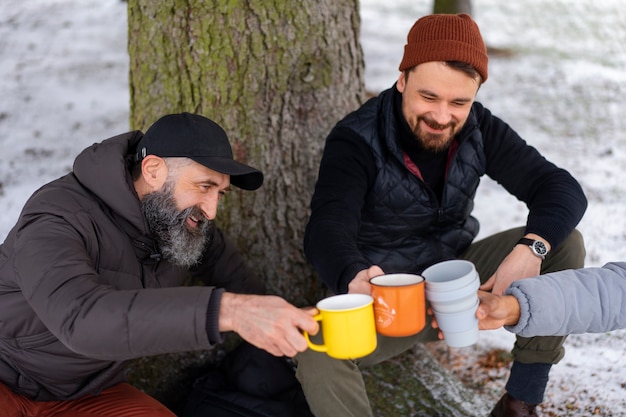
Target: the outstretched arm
(586, 300)
(268, 322)
(496, 311)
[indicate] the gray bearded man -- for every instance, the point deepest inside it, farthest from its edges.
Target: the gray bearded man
(91, 274)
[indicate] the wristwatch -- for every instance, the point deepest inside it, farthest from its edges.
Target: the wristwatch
(536, 246)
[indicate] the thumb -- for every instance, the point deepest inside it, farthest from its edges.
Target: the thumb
(374, 271)
(482, 311)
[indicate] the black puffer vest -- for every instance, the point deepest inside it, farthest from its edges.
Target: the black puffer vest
(404, 227)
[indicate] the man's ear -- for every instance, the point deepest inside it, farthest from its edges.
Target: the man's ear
(154, 171)
(401, 82)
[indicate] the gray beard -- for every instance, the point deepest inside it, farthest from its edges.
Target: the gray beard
(179, 243)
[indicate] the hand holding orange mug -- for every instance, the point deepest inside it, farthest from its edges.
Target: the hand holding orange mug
(399, 304)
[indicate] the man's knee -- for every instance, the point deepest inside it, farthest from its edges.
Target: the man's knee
(121, 400)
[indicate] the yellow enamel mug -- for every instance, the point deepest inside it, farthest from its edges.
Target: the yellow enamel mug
(348, 326)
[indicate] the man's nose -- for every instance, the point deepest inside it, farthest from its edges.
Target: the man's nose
(209, 205)
(441, 114)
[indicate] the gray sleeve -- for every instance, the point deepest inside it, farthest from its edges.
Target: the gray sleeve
(587, 300)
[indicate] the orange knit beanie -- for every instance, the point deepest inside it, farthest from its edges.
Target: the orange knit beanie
(445, 37)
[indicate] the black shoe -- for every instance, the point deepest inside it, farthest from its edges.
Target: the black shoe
(511, 407)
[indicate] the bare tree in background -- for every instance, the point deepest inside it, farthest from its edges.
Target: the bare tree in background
(452, 6)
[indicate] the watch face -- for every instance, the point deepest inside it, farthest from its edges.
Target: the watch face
(540, 248)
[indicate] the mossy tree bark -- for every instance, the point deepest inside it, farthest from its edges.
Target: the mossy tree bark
(276, 75)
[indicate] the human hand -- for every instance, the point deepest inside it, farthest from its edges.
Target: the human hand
(268, 322)
(520, 263)
(495, 311)
(361, 282)
(434, 323)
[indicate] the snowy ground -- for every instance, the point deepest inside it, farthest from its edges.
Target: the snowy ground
(561, 84)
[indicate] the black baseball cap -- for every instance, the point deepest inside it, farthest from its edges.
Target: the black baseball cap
(195, 137)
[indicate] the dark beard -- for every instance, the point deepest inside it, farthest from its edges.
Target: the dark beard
(179, 244)
(434, 142)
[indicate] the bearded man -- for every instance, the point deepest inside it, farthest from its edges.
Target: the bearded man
(395, 193)
(91, 274)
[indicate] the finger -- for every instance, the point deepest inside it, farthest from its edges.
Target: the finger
(488, 285)
(498, 289)
(362, 287)
(310, 310)
(304, 324)
(289, 351)
(297, 344)
(273, 349)
(481, 312)
(482, 295)
(290, 343)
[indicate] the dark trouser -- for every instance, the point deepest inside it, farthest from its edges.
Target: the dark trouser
(533, 356)
(335, 388)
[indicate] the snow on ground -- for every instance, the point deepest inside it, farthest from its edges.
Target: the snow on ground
(560, 82)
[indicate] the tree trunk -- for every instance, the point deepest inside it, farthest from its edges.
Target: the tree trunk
(415, 384)
(277, 75)
(452, 6)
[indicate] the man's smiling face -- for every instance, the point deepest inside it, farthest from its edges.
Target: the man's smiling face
(436, 101)
(179, 213)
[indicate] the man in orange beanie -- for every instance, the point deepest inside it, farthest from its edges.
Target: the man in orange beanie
(395, 194)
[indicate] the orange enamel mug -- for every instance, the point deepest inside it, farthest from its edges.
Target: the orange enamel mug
(399, 304)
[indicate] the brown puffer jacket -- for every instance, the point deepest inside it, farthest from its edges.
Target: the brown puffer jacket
(75, 300)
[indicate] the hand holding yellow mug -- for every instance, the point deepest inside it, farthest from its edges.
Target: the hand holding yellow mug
(348, 326)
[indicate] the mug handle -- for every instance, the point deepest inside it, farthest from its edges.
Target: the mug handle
(313, 346)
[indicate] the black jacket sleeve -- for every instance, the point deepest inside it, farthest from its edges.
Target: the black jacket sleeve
(347, 170)
(555, 200)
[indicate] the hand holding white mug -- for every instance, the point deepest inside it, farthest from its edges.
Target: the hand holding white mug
(496, 311)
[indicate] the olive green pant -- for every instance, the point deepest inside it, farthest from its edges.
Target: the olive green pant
(335, 388)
